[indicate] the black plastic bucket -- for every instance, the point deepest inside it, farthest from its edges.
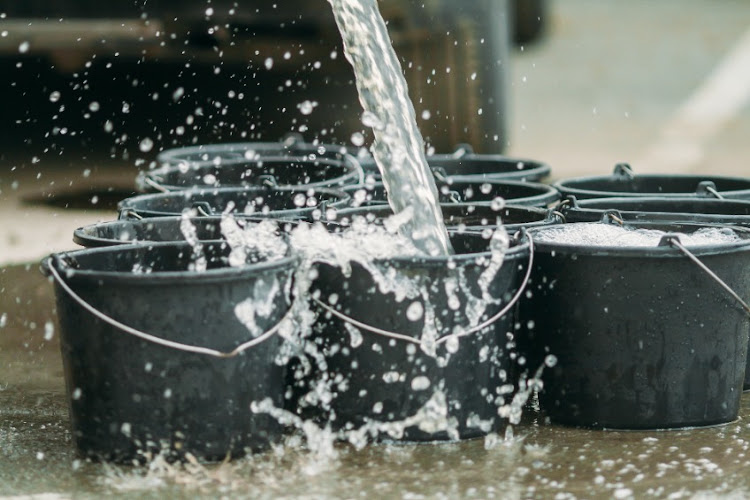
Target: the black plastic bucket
(158, 229)
(371, 344)
(271, 171)
(292, 145)
(281, 203)
(464, 216)
(475, 192)
(644, 337)
(465, 165)
(188, 388)
(624, 183)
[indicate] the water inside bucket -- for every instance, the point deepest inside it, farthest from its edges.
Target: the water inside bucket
(610, 235)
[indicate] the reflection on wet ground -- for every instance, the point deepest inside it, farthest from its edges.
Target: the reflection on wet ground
(535, 460)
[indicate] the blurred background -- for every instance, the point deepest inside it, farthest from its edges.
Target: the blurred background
(91, 91)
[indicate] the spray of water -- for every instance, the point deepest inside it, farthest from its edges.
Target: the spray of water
(398, 148)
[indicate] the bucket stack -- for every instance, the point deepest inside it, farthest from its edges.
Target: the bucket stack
(185, 328)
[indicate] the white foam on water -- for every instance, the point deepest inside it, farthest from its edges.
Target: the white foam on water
(610, 235)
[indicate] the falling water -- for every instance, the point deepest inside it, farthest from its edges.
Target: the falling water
(398, 148)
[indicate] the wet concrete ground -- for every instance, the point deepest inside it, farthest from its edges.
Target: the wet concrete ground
(608, 84)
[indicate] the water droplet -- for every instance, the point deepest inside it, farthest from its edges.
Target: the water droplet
(390, 377)
(299, 200)
(49, 330)
(209, 179)
(420, 383)
(306, 107)
(209, 11)
(426, 115)
(497, 203)
(40, 455)
(146, 145)
(358, 139)
(54, 96)
(94, 107)
(269, 63)
(451, 344)
(3, 320)
(415, 311)
(94, 200)
(108, 126)
(179, 92)
(23, 47)
(550, 360)
(485, 188)
(77, 393)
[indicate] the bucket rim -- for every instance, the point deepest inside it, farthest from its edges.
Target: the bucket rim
(288, 261)
(519, 247)
(295, 146)
(570, 186)
(81, 237)
(645, 252)
(339, 196)
(352, 171)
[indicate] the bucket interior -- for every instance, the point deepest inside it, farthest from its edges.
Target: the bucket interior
(495, 166)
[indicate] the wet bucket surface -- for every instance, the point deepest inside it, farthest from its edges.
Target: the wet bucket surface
(464, 216)
(267, 171)
(287, 203)
(377, 378)
(159, 229)
(644, 337)
(129, 396)
(481, 192)
(624, 183)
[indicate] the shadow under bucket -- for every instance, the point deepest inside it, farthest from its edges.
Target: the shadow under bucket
(159, 358)
(388, 380)
(646, 337)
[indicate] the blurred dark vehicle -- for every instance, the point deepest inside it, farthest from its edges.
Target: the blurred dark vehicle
(79, 72)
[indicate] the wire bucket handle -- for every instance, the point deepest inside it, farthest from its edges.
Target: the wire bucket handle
(673, 240)
(407, 338)
(48, 266)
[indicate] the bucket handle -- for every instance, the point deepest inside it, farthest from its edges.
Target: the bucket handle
(153, 184)
(674, 241)
(444, 338)
(158, 340)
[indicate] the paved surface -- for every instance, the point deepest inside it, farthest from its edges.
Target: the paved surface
(614, 81)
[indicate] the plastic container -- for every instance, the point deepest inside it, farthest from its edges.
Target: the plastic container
(282, 203)
(383, 380)
(465, 217)
(645, 337)
(475, 192)
(159, 358)
(625, 183)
